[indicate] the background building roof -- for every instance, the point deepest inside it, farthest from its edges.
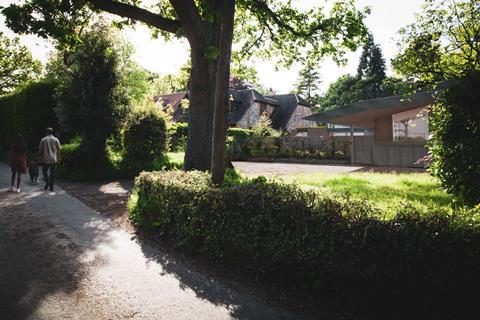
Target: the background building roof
(287, 105)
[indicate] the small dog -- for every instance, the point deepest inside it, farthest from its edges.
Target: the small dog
(33, 170)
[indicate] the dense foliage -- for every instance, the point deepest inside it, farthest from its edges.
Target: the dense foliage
(28, 111)
(370, 81)
(443, 43)
(16, 64)
(91, 102)
(261, 147)
(177, 136)
(144, 135)
(308, 83)
(455, 146)
(263, 127)
(301, 238)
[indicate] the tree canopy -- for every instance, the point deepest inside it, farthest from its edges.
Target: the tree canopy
(17, 65)
(91, 100)
(443, 43)
(265, 28)
(308, 83)
(369, 83)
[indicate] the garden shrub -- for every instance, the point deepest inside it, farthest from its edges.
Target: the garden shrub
(178, 133)
(71, 166)
(454, 145)
(303, 238)
(280, 147)
(239, 134)
(144, 134)
(28, 111)
(177, 136)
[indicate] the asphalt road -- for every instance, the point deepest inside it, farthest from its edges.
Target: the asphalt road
(61, 260)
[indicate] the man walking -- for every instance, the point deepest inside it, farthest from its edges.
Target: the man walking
(49, 153)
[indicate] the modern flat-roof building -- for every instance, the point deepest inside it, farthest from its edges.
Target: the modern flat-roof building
(395, 128)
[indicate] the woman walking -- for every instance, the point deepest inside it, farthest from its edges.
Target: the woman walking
(17, 159)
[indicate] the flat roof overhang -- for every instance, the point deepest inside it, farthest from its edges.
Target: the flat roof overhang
(363, 113)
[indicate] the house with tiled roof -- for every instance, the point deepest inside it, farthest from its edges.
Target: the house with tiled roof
(247, 106)
(291, 111)
(285, 111)
(175, 101)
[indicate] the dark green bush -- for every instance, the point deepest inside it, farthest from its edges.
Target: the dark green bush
(73, 167)
(455, 144)
(177, 135)
(301, 238)
(239, 134)
(28, 111)
(144, 134)
(116, 166)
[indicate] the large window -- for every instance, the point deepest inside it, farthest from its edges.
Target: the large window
(411, 125)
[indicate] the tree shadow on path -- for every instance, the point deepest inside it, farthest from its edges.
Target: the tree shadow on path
(36, 260)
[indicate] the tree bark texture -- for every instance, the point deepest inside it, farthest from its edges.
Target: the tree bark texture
(201, 93)
(221, 92)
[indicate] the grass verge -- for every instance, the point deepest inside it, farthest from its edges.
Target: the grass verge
(383, 190)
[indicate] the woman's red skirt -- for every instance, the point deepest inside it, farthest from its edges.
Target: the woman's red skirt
(18, 163)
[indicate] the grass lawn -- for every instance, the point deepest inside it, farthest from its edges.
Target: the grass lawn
(384, 190)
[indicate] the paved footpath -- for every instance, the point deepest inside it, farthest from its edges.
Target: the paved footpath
(61, 260)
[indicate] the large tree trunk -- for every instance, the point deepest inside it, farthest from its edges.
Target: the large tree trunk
(200, 124)
(209, 87)
(221, 92)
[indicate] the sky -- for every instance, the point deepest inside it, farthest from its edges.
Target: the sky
(386, 18)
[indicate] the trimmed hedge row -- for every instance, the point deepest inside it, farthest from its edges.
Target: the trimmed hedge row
(337, 245)
(27, 111)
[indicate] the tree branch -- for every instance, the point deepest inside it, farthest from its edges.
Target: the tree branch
(263, 7)
(246, 49)
(138, 14)
(190, 19)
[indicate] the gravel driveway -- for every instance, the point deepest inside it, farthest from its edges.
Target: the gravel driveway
(271, 169)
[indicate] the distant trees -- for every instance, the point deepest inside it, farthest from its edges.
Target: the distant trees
(341, 92)
(371, 70)
(370, 81)
(308, 83)
(17, 65)
(172, 82)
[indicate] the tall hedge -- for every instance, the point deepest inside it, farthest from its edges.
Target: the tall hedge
(326, 244)
(28, 111)
(455, 144)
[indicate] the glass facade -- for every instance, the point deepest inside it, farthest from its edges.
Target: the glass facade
(411, 125)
